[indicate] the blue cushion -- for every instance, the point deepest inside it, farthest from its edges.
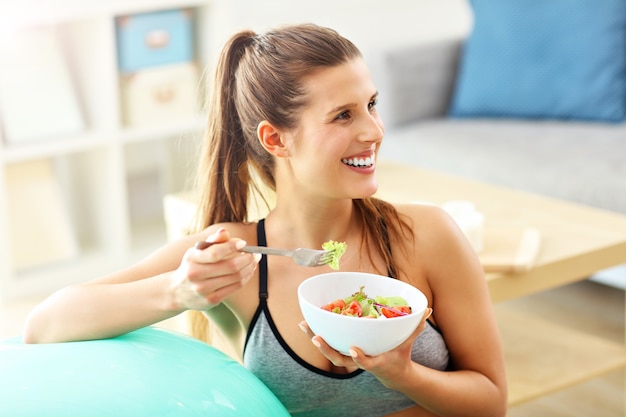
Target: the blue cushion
(555, 59)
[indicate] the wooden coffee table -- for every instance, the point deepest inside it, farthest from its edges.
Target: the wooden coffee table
(576, 241)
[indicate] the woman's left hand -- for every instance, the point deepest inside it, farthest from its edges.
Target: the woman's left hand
(386, 366)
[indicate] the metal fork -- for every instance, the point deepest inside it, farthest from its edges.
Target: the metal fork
(301, 256)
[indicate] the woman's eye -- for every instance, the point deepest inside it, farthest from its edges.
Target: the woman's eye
(343, 115)
(372, 104)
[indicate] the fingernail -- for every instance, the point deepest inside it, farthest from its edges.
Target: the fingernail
(352, 353)
(429, 313)
(302, 327)
(214, 236)
(240, 244)
(316, 343)
(257, 257)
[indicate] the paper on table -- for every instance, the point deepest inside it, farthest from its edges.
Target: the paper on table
(510, 249)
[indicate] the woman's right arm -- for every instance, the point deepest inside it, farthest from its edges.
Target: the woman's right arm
(173, 279)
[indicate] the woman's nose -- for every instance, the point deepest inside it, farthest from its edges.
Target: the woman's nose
(373, 129)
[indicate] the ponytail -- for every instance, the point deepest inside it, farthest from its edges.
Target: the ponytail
(222, 180)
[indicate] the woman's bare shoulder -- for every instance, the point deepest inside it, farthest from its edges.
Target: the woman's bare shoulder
(437, 237)
(425, 218)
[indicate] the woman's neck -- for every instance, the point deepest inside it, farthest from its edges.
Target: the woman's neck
(311, 222)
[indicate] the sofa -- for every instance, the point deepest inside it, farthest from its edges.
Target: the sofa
(444, 111)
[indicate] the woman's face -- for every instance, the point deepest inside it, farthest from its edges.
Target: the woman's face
(333, 150)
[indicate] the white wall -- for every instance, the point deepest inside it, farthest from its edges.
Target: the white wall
(370, 24)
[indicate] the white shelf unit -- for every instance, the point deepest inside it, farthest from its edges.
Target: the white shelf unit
(112, 178)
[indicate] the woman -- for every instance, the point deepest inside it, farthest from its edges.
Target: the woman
(296, 107)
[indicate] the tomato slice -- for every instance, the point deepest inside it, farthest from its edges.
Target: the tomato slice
(353, 309)
(336, 306)
(391, 313)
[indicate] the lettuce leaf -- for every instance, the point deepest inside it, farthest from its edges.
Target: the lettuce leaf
(338, 249)
(391, 301)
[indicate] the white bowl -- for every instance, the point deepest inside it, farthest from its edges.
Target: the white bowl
(372, 336)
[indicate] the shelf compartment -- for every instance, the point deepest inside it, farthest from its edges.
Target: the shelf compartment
(153, 170)
(542, 357)
(37, 90)
(41, 231)
(94, 181)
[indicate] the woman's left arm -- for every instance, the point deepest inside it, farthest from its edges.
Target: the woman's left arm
(462, 309)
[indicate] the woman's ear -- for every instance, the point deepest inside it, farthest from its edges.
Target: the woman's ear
(271, 139)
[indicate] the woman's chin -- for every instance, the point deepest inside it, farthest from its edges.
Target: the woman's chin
(364, 192)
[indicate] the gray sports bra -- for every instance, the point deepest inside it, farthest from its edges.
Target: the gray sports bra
(309, 391)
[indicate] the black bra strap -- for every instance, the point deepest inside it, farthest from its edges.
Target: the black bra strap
(261, 241)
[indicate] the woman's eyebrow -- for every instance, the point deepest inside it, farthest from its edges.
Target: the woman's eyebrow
(342, 107)
(350, 105)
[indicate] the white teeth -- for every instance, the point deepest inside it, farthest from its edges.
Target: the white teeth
(359, 162)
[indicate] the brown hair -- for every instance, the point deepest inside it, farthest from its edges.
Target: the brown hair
(260, 77)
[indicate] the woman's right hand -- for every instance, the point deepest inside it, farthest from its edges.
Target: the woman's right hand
(206, 277)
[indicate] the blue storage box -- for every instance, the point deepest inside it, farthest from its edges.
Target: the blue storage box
(152, 39)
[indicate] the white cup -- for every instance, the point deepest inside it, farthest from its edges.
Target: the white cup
(470, 221)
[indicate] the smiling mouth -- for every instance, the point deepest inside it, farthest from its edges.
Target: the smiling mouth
(359, 162)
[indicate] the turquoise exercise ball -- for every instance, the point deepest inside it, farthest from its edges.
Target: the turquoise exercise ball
(150, 372)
